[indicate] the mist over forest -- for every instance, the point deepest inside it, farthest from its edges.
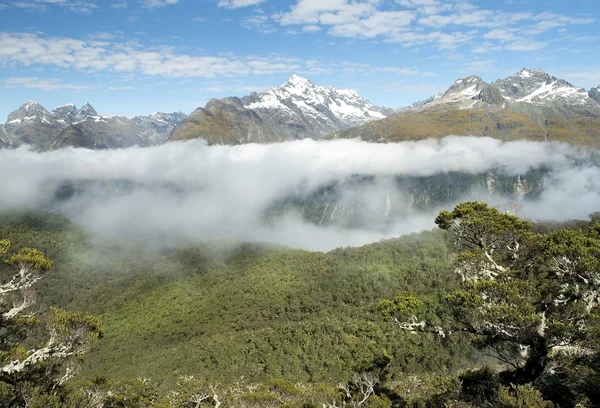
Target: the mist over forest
(189, 192)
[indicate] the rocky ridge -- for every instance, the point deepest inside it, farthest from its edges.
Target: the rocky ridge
(297, 109)
(68, 125)
(528, 105)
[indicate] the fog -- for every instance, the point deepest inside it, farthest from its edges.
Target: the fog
(189, 192)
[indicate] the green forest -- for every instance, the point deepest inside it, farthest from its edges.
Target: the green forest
(488, 309)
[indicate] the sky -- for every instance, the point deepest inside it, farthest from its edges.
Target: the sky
(136, 57)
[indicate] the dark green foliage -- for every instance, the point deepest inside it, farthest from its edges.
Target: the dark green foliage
(259, 325)
(251, 310)
(479, 386)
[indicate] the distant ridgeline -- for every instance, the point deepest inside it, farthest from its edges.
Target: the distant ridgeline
(375, 202)
(361, 200)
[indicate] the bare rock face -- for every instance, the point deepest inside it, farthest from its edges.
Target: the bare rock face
(297, 109)
(4, 139)
(595, 93)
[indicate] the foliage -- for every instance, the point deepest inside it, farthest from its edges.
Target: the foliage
(31, 377)
(530, 299)
(30, 258)
(256, 325)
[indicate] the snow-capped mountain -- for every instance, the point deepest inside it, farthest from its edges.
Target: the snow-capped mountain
(528, 105)
(70, 115)
(64, 113)
(67, 125)
(530, 86)
(297, 109)
(32, 124)
(322, 103)
(539, 88)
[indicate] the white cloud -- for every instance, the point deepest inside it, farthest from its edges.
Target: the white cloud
(525, 46)
(233, 4)
(119, 5)
(104, 53)
(152, 4)
(186, 192)
(258, 22)
(499, 34)
(311, 28)
(40, 83)
(78, 6)
(444, 24)
(32, 50)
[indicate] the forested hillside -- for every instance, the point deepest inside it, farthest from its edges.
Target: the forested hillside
(233, 324)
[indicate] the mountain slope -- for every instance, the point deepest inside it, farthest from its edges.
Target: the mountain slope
(109, 132)
(595, 93)
(529, 105)
(297, 109)
(32, 124)
(67, 125)
(4, 139)
(90, 130)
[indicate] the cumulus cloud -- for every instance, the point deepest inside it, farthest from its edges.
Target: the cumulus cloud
(39, 83)
(78, 6)
(233, 4)
(443, 24)
(92, 56)
(259, 22)
(106, 52)
(152, 4)
(189, 192)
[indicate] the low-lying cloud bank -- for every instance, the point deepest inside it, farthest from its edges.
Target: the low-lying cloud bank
(188, 191)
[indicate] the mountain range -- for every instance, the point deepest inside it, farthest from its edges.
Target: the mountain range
(297, 109)
(528, 105)
(68, 125)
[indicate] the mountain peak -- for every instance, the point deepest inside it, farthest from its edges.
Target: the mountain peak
(86, 111)
(529, 72)
(464, 88)
(595, 93)
(30, 104)
(297, 80)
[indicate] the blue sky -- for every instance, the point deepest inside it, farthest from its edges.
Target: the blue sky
(135, 57)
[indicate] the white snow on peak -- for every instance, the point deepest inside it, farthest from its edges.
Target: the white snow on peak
(30, 104)
(528, 73)
(550, 91)
(67, 105)
(299, 81)
(524, 74)
(300, 94)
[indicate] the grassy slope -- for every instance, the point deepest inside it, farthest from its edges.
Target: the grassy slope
(256, 312)
(503, 124)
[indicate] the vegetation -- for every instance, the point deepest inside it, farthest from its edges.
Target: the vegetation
(504, 124)
(31, 377)
(488, 310)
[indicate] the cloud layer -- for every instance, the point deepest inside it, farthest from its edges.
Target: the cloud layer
(189, 192)
(444, 24)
